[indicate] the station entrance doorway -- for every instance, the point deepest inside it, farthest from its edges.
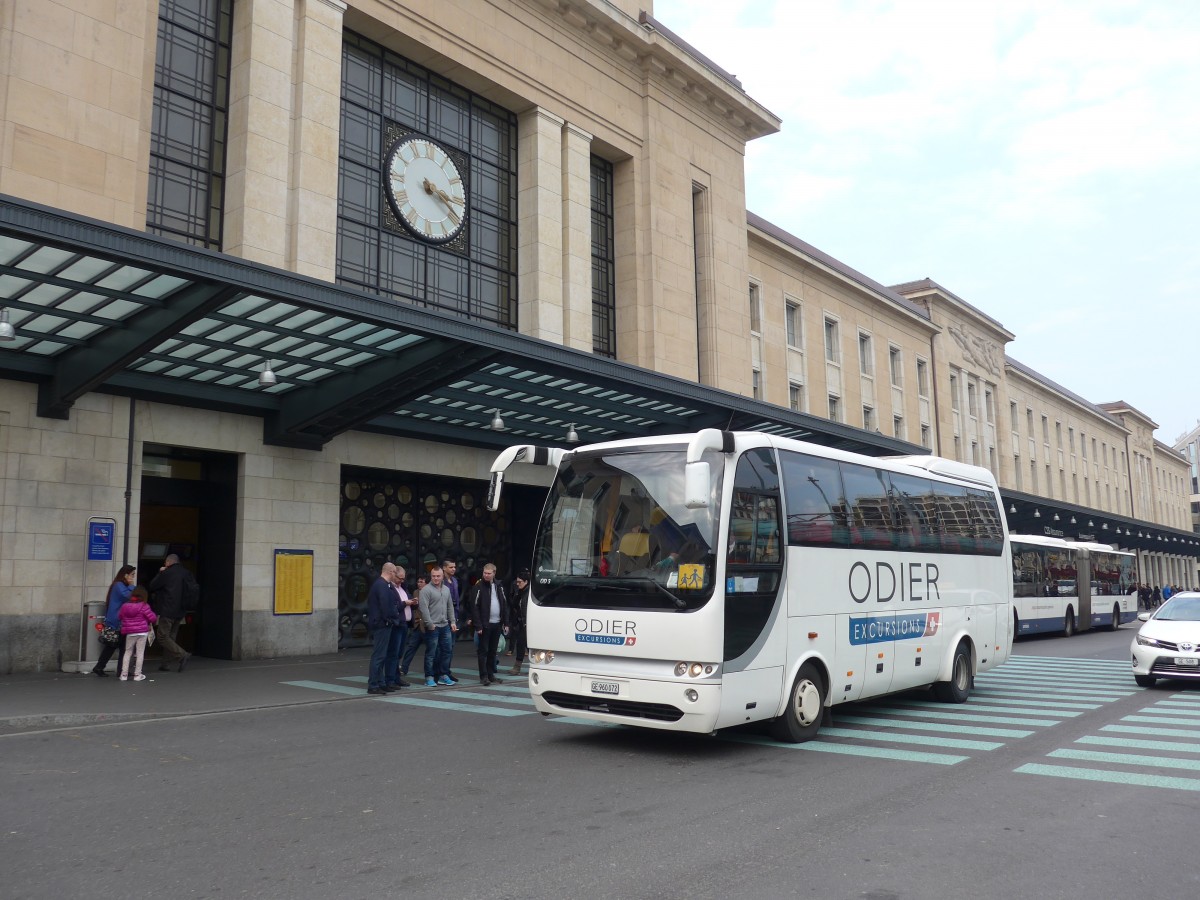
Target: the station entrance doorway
(189, 508)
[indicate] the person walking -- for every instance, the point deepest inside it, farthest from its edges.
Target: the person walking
(118, 592)
(381, 617)
(137, 618)
(489, 611)
(462, 613)
(167, 592)
(518, 608)
(437, 616)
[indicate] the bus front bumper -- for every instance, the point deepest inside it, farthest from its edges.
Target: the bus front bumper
(677, 705)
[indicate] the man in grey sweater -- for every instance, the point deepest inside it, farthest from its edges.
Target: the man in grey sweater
(437, 616)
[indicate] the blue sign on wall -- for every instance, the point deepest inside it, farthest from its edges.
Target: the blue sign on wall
(100, 540)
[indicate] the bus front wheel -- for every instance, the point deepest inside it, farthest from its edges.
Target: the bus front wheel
(958, 688)
(806, 704)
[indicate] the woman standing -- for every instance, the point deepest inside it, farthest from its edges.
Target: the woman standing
(137, 618)
(518, 610)
(118, 593)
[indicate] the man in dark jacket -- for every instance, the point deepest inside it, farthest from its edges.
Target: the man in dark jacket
(489, 609)
(167, 598)
(382, 617)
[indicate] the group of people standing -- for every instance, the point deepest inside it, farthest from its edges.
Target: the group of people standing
(1153, 597)
(133, 613)
(399, 624)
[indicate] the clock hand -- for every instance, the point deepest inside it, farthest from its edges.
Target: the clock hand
(431, 188)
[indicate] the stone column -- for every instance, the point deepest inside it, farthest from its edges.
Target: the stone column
(313, 179)
(259, 141)
(577, 237)
(540, 209)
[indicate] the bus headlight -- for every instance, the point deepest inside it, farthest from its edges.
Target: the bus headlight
(693, 669)
(541, 657)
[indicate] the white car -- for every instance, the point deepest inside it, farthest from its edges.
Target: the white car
(1168, 644)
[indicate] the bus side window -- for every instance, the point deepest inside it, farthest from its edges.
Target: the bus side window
(816, 510)
(870, 509)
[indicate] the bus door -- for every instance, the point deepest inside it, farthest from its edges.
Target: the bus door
(1083, 583)
(755, 648)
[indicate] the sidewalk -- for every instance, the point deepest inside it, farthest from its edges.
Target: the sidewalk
(32, 702)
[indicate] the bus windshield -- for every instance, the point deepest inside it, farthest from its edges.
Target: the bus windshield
(616, 533)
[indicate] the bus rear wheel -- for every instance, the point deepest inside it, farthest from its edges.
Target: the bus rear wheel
(958, 688)
(1069, 623)
(801, 720)
(1116, 622)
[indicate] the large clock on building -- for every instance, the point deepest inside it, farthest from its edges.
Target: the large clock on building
(425, 189)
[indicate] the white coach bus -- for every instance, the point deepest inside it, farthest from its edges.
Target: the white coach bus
(1061, 585)
(697, 582)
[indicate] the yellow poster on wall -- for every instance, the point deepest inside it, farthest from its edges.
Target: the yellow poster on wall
(293, 582)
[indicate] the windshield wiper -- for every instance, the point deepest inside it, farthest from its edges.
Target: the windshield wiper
(624, 585)
(679, 602)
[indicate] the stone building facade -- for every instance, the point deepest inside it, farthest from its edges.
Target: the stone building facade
(604, 214)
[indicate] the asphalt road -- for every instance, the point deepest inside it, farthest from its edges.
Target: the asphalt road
(375, 799)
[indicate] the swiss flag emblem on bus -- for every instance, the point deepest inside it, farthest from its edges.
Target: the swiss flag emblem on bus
(933, 621)
(630, 641)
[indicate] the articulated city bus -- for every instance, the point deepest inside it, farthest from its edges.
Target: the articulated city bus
(697, 582)
(1060, 584)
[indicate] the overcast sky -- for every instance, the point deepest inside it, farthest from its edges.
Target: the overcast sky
(1040, 160)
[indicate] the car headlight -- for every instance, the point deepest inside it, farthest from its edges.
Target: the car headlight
(1144, 641)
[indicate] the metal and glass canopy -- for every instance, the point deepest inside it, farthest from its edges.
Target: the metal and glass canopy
(100, 308)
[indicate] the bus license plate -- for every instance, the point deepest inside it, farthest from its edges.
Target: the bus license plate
(611, 688)
(1187, 661)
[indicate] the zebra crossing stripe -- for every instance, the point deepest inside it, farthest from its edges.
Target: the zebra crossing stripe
(958, 716)
(1193, 699)
(489, 697)
(1072, 661)
(1164, 732)
(1135, 778)
(992, 708)
(934, 726)
(941, 759)
(1129, 759)
(1135, 744)
(429, 703)
(1051, 694)
(1056, 706)
(1160, 719)
(323, 686)
(1030, 681)
(922, 739)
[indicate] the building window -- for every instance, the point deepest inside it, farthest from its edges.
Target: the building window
(755, 309)
(922, 378)
(796, 397)
(1071, 440)
(831, 341)
(1033, 476)
(989, 407)
(1017, 471)
(868, 419)
(896, 366)
(835, 409)
(954, 402)
(604, 261)
(925, 437)
(898, 427)
(186, 193)
(866, 365)
(1058, 434)
(1029, 422)
(972, 400)
(386, 97)
(756, 384)
(1013, 417)
(1046, 431)
(791, 314)
(958, 448)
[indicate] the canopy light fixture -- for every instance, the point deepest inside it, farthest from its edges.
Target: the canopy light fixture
(497, 422)
(266, 378)
(7, 332)
(572, 434)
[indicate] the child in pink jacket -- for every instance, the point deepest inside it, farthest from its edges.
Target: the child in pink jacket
(137, 620)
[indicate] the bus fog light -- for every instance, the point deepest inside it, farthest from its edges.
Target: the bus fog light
(692, 694)
(681, 669)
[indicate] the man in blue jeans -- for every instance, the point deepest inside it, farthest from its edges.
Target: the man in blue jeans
(382, 618)
(437, 616)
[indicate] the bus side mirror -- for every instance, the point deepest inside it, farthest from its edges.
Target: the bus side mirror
(697, 484)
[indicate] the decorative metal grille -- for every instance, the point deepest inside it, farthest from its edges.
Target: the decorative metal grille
(414, 521)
